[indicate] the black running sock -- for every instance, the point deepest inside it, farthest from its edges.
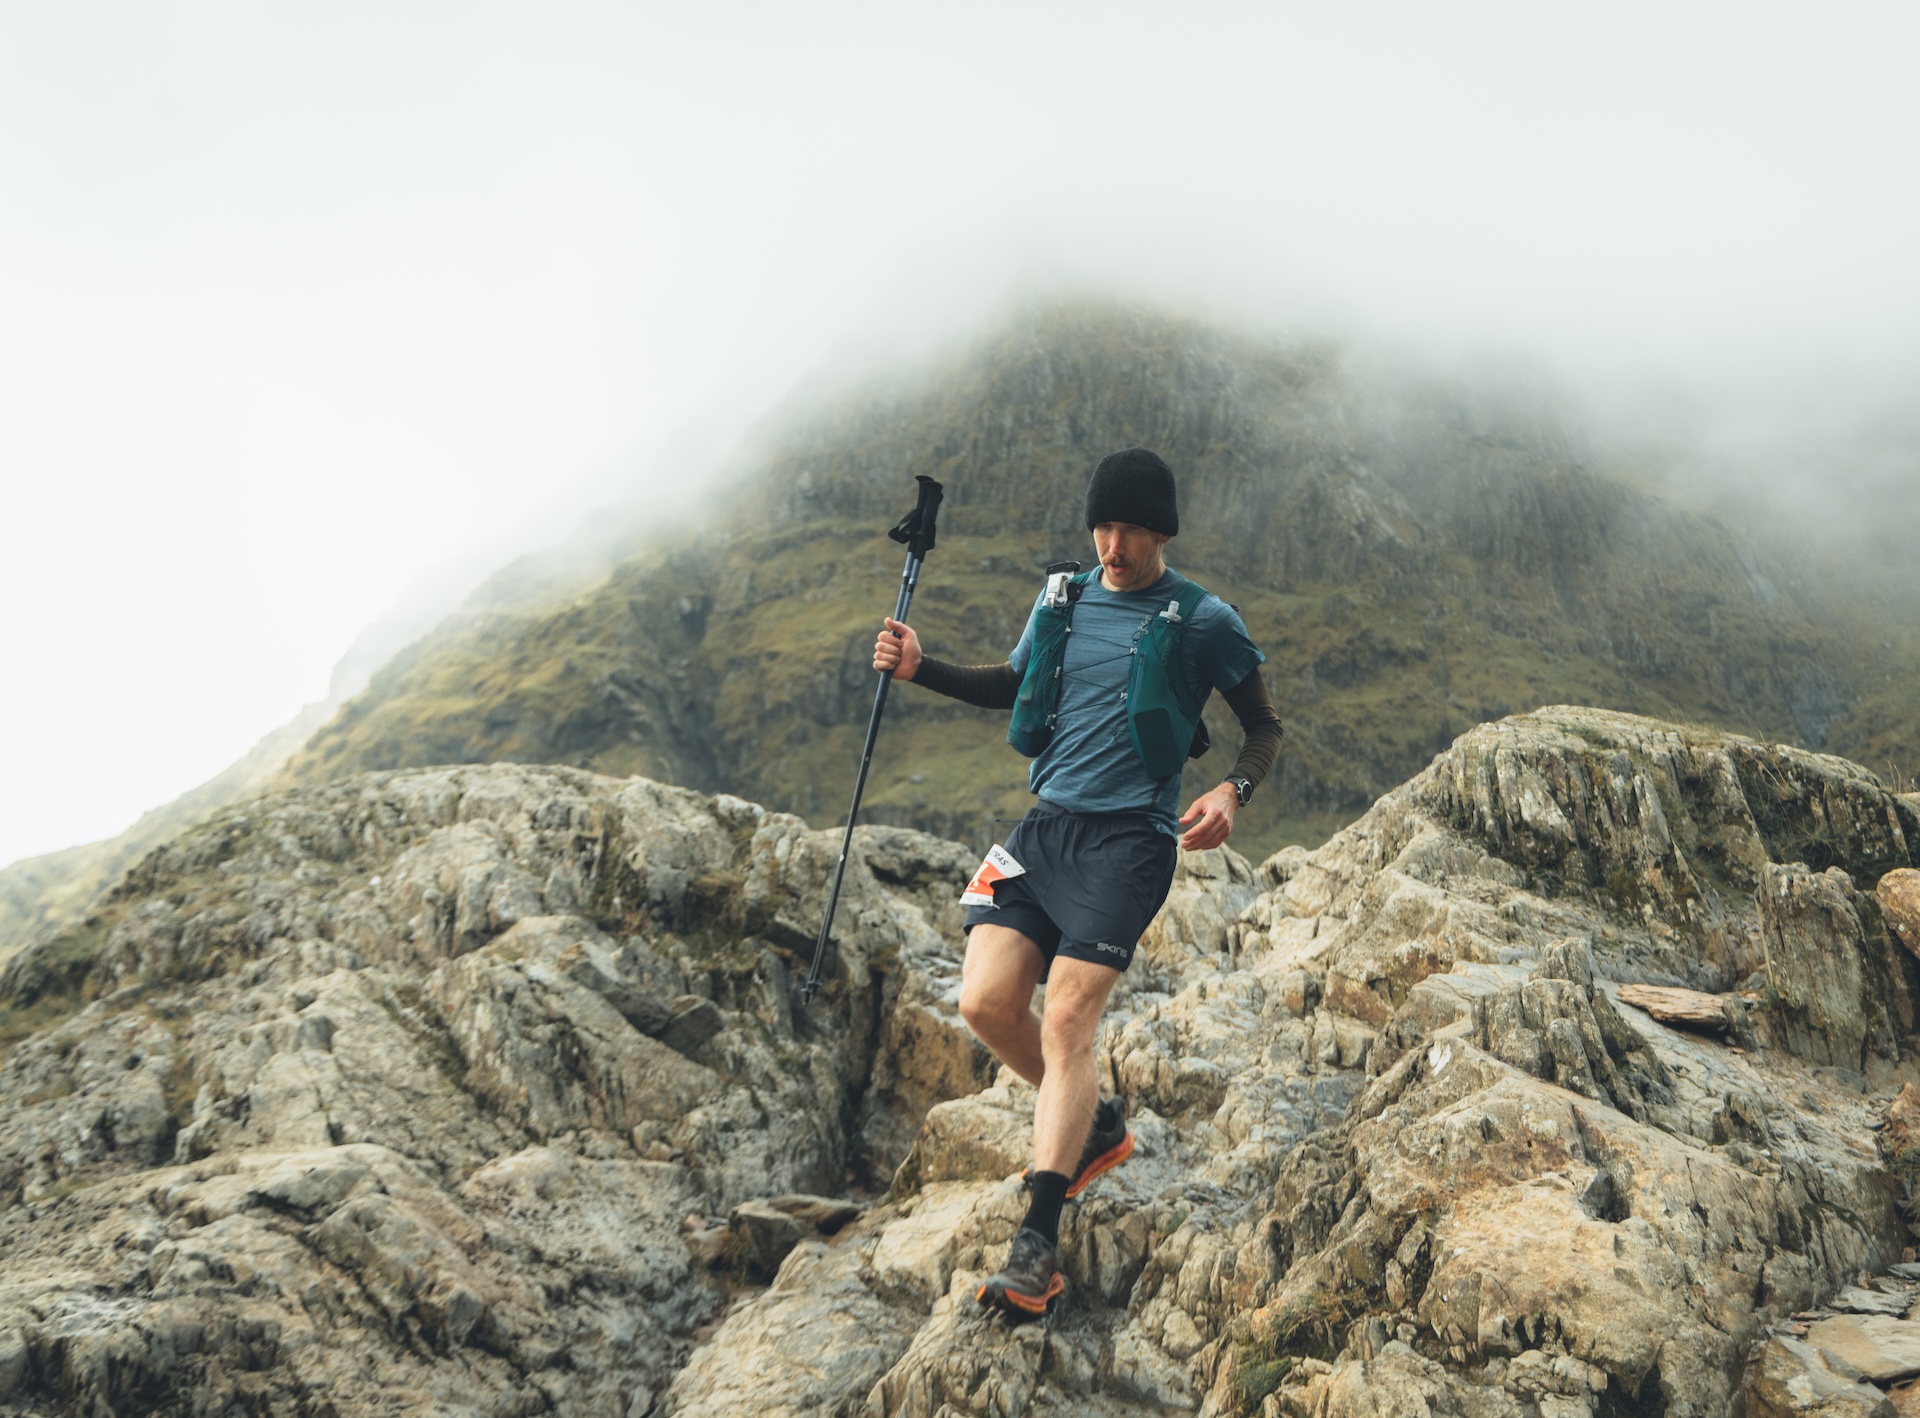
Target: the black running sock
(1043, 1212)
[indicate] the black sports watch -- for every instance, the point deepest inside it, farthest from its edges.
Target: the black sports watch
(1242, 786)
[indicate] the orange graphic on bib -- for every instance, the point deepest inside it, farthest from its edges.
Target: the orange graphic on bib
(997, 866)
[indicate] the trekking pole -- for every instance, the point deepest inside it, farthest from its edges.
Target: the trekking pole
(916, 531)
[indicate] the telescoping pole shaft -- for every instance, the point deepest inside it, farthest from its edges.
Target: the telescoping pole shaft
(917, 531)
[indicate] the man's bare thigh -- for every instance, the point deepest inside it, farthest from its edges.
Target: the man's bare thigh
(1001, 965)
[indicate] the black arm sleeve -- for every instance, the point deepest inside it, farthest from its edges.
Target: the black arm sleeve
(984, 686)
(1261, 721)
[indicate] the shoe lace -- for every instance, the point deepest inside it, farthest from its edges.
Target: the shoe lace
(1029, 1249)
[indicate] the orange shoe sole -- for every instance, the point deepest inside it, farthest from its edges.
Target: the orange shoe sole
(1105, 1162)
(1027, 1304)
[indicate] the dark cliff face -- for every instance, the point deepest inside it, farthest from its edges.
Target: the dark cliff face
(1415, 556)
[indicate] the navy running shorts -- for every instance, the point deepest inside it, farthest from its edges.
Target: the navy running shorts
(1093, 882)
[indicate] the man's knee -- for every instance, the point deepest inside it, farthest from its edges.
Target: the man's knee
(992, 1006)
(1075, 1003)
(998, 979)
(1064, 1032)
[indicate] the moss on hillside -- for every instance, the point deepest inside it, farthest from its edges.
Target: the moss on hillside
(1414, 562)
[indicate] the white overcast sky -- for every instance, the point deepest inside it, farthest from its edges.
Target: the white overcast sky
(299, 302)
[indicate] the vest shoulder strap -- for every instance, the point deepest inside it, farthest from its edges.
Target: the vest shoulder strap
(1184, 603)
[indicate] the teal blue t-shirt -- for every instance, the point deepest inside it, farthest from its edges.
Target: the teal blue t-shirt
(1091, 765)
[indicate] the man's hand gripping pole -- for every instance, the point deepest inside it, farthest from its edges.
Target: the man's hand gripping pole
(915, 530)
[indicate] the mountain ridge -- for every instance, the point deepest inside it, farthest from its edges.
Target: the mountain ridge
(1415, 553)
(1413, 558)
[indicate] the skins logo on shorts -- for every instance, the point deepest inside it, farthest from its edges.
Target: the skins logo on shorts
(1110, 949)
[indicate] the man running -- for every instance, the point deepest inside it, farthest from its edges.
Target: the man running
(1106, 686)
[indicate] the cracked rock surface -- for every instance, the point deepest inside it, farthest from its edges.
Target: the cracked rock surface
(400, 1096)
(1401, 1150)
(483, 1090)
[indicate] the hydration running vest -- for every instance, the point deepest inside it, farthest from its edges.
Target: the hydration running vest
(1162, 718)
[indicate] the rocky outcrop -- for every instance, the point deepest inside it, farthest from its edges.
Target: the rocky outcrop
(1400, 1150)
(413, 1093)
(484, 1090)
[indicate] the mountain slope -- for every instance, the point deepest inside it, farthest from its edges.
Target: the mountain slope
(1414, 556)
(40, 894)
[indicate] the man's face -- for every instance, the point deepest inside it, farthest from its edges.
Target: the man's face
(1129, 555)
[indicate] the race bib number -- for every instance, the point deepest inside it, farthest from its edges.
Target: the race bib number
(997, 866)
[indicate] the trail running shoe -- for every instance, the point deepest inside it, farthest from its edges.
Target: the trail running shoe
(1029, 1281)
(1107, 1147)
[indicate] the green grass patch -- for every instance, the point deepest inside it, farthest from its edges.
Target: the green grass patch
(739, 662)
(1255, 1375)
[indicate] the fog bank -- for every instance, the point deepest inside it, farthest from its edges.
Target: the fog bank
(306, 304)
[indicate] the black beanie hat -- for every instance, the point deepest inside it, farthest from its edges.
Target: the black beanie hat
(1133, 485)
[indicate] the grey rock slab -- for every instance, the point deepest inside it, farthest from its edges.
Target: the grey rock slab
(1400, 1383)
(312, 1184)
(1439, 1000)
(1815, 946)
(1791, 1378)
(14, 1359)
(1854, 1300)
(766, 1234)
(1880, 1347)
(986, 1137)
(815, 1340)
(914, 1256)
(693, 1022)
(961, 1361)
(824, 1214)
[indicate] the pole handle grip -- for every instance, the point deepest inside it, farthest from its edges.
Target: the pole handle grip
(915, 530)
